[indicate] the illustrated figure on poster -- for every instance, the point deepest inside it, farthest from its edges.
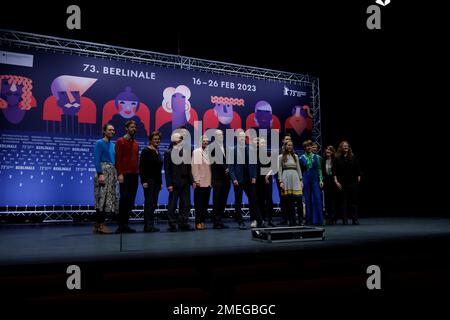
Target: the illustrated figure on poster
(299, 125)
(175, 112)
(127, 106)
(67, 110)
(16, 99)
(222, 116)
(263, 118)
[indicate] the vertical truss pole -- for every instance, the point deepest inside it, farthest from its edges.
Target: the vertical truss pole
(317, 123)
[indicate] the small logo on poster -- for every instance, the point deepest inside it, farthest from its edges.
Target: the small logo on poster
(293, 93)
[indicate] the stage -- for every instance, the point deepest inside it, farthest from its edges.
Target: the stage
(66, 243)
(211, 267)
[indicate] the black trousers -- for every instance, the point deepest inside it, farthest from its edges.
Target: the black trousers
(330, 194)
(250, 191)
(349, 201)
(293, 205)
(183, 194)
(100, 216)
(151, 194)
(220, 196)
(201, 202)
(264, 198)
(284, 217)
(128, 190)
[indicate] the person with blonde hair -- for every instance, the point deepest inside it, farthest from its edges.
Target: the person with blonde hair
(201, 173)
(290, 180)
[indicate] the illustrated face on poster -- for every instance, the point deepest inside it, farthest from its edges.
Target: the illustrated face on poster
(224, 113)
(302, 111)
(263, 115)
(69, 102)
(176, 101)
(68, 91)
(15, 97)
(11, 93)
(127, 103)
(298, 119)
(127, 108)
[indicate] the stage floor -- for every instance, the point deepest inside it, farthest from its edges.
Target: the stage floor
(157, 271)
(46, 243)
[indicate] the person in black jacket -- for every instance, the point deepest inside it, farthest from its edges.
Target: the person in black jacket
(264, 184)
(243, 176)
(220, 179)
(150, 168)
(329, 187)
(347, 175)
(178, 180)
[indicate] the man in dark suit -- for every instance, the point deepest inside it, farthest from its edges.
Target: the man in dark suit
(178, 180)
(243, 176)
(220, 179)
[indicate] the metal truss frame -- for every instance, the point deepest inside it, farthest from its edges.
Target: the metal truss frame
(17, 39)
(77, 47)
(317, 123)
(74, 214)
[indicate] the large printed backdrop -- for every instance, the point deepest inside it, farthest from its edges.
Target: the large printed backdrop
(52, 113)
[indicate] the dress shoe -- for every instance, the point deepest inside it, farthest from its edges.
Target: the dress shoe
(151, 229)
(355, 222)
(100, 228)
(172, 229)
(242, 226)
(185, 227)
(220, 226)
(332, 222)
(199, 226)
(261, 224)
(129, 230)
(345, 222)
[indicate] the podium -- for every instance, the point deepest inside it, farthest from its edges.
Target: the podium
(288, 234)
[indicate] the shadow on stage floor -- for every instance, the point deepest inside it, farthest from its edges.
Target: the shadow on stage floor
(213, 267)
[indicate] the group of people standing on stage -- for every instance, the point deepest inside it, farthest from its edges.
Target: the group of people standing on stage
(297, 177)
(341, 176)
(328, 184)
(114, 163)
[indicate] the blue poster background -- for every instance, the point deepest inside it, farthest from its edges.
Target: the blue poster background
(47, 158)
